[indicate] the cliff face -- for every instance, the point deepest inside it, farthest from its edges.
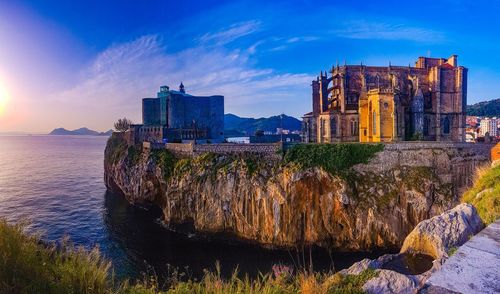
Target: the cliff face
(373, 205)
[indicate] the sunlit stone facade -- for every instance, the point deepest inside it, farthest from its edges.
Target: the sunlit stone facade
(391, 103)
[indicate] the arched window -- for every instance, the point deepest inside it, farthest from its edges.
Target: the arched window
(446, 125)
(374, 122)
(333, 126)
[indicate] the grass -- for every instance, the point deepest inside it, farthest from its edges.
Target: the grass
(27, 265)
(333, 158)
(485, 193)
(452, 251)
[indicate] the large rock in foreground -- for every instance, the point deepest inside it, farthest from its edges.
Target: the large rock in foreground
(437, 235)
(433, 237)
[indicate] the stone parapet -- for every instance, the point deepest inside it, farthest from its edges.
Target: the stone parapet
(478, 148)
(268, 150)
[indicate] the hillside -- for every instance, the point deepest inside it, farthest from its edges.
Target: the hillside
(243, 126)
(485, 108)
(79, 132)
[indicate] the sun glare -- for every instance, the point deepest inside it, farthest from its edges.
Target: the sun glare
(3, 99)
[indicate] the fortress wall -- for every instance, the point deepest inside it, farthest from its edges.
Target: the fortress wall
(270, 150)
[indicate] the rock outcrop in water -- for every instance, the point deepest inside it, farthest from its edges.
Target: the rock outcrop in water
(280, 204)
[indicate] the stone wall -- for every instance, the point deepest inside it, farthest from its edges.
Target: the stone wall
(480, 149)
(272, 150)
(267, 150)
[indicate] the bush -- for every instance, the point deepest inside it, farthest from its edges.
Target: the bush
(485, 194)
(333, 158)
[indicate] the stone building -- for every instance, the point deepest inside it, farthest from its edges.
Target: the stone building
(389, 103)
(175, 116)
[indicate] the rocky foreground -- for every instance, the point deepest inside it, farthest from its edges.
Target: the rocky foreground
(287, 203)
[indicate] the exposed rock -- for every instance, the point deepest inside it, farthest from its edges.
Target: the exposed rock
(358, 267)
(437, 235)
(390, 282)
(434, 237)
(280, 205)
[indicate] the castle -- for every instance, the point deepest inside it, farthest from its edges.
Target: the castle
(175, 116)
(359, 103)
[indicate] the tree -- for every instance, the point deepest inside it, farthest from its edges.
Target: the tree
(259, 133)
(122, 124)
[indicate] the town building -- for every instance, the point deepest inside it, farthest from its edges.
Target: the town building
(389, 103)
(174, 116)
(488, 125)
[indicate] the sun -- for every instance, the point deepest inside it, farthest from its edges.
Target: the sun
(3, 99)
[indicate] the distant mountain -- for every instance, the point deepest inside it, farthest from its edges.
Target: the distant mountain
(80, 132)
(244, 126)
(485, 108)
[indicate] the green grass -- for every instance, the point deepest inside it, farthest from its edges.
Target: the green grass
(333, 158)
(27, 265)
(452, 251)
(485, 194)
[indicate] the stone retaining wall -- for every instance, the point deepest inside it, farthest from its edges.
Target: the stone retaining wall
(270, 151)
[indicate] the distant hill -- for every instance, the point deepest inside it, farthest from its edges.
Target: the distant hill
(485, 108)
(80, 132)
(235, 126)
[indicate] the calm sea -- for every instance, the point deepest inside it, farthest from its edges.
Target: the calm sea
(56, 183)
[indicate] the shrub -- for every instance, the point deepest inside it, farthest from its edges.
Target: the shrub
(333, 158)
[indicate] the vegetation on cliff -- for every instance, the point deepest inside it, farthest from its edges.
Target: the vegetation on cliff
(115, 148)
(333, 158)
(485, 194)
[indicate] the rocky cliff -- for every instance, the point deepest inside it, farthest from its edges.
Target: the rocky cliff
(293, 202)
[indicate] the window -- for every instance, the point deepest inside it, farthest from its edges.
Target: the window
(446, 125)
(333, 126)
(354, 127)
(374, 122)
(427, 122)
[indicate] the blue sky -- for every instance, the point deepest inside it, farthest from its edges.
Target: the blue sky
(72, 64)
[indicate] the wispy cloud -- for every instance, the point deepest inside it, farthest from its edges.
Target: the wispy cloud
(387, 31)
(302, 39)
(122, 74)
(231, 33)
